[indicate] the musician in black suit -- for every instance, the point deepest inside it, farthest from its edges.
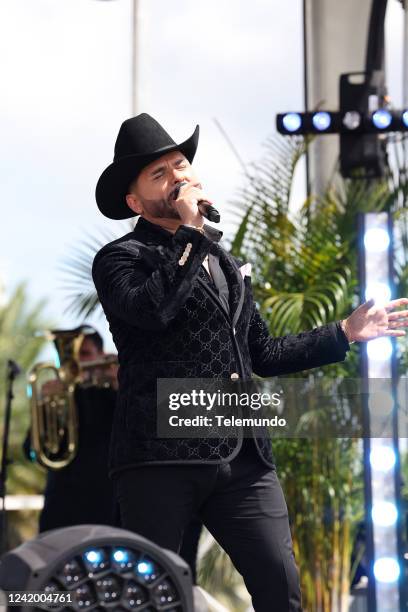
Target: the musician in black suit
(82, 492)
(179, 305)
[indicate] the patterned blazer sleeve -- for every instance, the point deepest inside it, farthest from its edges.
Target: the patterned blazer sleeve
(129, 289)
(293, 353)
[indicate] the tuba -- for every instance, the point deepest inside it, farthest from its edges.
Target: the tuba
(54, 415)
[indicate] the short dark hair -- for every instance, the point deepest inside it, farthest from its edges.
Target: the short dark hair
(95, 337)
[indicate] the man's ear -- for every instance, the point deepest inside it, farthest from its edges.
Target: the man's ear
(134, 203)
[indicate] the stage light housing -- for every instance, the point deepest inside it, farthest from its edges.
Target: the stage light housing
(362, 120)
(99, 567)
(380, 404)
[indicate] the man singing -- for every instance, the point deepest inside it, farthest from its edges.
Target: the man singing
(180, 306)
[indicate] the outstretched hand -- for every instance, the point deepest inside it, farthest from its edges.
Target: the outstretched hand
(369, 321)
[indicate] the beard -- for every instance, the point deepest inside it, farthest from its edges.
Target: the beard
(160, 209)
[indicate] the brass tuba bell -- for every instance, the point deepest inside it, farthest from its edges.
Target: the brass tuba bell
(54, 417)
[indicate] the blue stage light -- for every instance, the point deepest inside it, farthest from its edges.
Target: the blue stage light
(387, 569)
(405, 118)
(29, 392)
(321, 121)
(384, 513)
(145, 568)
(383, 465)
(382, 458)
(93, 556)
(121, 556)
(382, 119)
(292, 122)
(376, 240)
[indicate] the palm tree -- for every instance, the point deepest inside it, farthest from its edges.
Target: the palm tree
(18, 324)
(306, 275)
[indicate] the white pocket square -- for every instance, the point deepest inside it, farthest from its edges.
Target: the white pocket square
(245, 270)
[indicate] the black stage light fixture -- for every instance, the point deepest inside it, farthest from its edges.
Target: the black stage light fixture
(362, 123)
(350, 122)
(98, 568)
(363, 149)
(365, 115)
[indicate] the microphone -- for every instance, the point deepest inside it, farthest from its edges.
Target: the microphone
(206, 209)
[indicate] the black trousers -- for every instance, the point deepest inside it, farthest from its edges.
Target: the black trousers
(241, 503)
(189, 547)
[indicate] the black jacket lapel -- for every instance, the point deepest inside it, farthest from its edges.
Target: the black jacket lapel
(236, 288)
(212, 291)
(235, 283)
(219, 280)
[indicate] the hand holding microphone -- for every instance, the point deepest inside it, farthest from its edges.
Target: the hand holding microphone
(204, 208)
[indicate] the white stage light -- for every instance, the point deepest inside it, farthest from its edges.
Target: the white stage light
(384, 514)
(379, 349)
(382, 458)
(376, 240)
(387, 569)
(380, 292)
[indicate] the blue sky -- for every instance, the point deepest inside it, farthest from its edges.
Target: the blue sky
(66, 88)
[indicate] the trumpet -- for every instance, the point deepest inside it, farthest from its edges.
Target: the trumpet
(54, 415)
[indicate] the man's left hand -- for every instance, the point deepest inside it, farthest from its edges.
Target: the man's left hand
(369, 321)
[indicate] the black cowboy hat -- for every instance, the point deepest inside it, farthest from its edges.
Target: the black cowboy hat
(141, 140)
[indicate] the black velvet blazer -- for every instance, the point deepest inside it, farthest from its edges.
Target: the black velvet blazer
(167, 321)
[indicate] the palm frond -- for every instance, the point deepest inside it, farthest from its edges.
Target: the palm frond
(76, 268)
